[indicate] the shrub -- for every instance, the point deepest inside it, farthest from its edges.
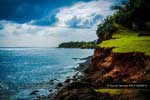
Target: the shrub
(106, 28)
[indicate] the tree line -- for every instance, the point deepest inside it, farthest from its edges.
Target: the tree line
(77, 44)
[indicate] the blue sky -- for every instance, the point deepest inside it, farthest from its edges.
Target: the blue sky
(46, 23)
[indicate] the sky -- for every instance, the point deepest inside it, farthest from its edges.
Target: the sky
(47, 23)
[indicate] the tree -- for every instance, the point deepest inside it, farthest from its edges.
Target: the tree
(134, 14)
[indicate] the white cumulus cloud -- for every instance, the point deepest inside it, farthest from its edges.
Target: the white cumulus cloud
(25, 35)
(84, 14)
(74, 23)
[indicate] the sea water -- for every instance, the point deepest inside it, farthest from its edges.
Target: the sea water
(23, 70)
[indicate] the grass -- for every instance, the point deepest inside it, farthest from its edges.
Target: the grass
(110, 91)
(125, 40)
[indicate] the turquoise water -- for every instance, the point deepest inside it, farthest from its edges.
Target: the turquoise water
(23, 70)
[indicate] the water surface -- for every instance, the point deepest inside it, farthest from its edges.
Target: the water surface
(23, 70)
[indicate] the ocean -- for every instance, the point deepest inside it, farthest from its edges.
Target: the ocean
(23, 70)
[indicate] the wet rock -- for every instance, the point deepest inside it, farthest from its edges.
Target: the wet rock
(51, 82)
(80, 91)
(34, 92)
(56, 88)
(68, 77)
(59, 85)
(56, 79)
(67, 80)
(78, 85)
(76, 58)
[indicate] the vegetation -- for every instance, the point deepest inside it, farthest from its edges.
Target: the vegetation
(125, 40)
(133, 14)
(106, 28)
(110, 91)
(82, 44)
(123, 29)
(122, 32)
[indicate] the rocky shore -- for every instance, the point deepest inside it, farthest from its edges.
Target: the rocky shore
(59, 86)
(106, 67)
(100, 75)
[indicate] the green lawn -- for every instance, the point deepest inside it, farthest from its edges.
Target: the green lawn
(126, 40)
(110, 91)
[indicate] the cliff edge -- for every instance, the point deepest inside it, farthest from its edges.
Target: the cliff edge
(115, 63)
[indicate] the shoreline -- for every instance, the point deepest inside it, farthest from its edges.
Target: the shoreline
(41, 80)
(77, 77)
(100, 71)
(91, 77)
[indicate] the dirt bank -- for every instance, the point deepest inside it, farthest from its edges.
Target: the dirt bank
(108, 67)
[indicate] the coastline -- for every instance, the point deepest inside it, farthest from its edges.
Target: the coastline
(75, 50)
(98, 71)
(77, 81)
(54, 66)
(69, 81)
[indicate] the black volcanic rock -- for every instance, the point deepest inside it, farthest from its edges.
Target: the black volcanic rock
(59, 85)
(34, 92)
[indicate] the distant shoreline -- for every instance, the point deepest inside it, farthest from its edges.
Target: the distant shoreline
(77, 44)
(28, 47)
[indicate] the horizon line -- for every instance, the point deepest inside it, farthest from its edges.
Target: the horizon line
(26, 47)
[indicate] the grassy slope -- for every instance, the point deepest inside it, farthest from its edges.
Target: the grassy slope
(110, 91)
(125, 40)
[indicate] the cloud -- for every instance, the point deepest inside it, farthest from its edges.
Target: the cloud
(43, 11)
(84, 14)
(26, 35)
(76, 22)
(22, 11)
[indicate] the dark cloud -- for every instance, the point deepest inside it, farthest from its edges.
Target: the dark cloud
(24, 10)
(27, 10)
(41, 11)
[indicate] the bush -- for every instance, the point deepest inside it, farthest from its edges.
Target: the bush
(106, 28)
